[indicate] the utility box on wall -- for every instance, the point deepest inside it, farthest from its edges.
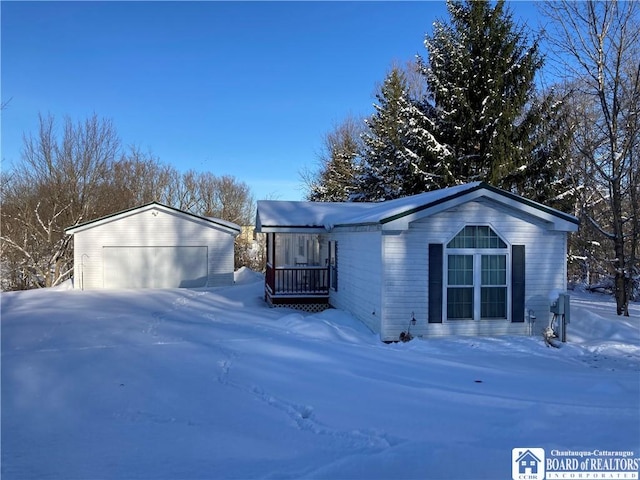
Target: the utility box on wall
(561, 308)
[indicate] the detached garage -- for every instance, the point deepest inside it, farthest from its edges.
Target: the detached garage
(153, 246)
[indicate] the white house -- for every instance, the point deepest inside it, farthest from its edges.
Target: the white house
(470, 259)
(153, 246)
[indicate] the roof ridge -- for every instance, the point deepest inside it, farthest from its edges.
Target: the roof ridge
(217, 221)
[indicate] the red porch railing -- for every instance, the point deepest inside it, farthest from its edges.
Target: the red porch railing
(303, 281)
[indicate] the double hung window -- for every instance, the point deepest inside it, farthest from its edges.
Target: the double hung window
(477, 275)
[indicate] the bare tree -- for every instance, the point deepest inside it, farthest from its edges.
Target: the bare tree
(77, 173)
(59, 183)
(229, 199)
(234, 201)
(139, 178)
(598, 45)
(204, 188)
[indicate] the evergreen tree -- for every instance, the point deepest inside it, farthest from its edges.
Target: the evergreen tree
(476, 116)
(542, 176)
(394, 144)
(334, 181)
(480, 76)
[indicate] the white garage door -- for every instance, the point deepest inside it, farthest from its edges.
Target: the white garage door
(154, 267)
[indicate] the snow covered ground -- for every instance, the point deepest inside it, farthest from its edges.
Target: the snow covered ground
(210, 383)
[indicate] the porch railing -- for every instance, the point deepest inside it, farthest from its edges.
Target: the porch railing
(303, 281)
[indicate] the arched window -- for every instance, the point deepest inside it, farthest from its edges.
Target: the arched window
(477, 275)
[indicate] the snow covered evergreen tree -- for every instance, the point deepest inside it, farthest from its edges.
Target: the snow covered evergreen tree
(477, 115)
(394, 144)
(339, 164)
(541, 173)
(480, 76)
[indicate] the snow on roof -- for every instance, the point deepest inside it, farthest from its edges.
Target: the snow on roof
(276, 213)
(219, 221)
(290, 214)
(384, 211)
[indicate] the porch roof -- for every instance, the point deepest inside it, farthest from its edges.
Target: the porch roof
(289, 216)
(285, 216)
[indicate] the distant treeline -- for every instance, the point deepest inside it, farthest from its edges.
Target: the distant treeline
(76, 172)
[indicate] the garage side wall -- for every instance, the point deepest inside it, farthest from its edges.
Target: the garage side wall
(145, 230)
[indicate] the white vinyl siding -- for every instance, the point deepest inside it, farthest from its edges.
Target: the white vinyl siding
(359, 275)
(405, 259)
(160, 229)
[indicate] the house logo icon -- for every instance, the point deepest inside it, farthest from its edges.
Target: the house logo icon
(527, 463)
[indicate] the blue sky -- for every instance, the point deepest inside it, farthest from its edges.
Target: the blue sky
(246, 89)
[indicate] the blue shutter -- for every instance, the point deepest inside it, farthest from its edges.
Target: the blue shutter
(435, 282)
(333, 265)
(517, 283)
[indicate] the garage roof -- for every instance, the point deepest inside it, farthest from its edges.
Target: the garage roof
(231, 227)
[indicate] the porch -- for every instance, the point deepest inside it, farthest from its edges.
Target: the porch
(298, 285)
(298, 271)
